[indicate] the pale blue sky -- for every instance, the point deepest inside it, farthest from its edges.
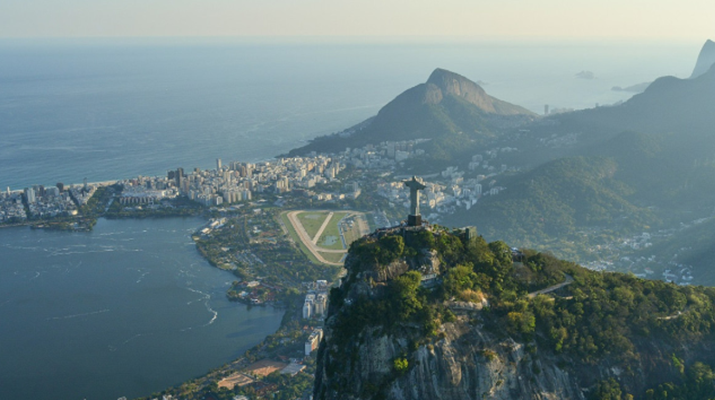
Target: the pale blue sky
(577, 19)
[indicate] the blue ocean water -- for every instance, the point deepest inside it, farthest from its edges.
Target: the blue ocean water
(109, 109)
(126, 310)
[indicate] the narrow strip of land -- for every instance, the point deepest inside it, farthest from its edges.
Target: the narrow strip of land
(322, 227)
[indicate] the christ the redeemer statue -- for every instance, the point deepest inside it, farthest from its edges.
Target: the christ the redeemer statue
(414, 219)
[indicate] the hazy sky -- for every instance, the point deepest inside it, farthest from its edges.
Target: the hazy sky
(684, 19)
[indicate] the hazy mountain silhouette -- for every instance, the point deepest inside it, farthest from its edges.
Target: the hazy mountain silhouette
(706, 59)
(448, 108)
(669, 104)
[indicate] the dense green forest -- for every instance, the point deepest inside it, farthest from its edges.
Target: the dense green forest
(598, 319)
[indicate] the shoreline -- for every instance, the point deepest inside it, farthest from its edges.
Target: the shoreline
(110, 182)
(282, 293)
(100, 184)
(109, 235)
(17, 225)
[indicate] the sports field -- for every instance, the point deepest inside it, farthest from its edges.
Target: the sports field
(333, 257)
(312, 221)
(331, 238)
(325, 235)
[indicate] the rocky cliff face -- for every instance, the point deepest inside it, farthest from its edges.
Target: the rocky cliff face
(465, 363)
(443, 83)
(491, 327)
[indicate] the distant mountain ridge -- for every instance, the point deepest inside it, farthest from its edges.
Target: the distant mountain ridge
(669, 104)
(557, 199)
(450, 109)
(658, 145)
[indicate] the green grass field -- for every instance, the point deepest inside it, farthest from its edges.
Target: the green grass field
(352, 233)
(333, 257)
(312, 221)
(294, 235)
(332, 232)
(330, 238)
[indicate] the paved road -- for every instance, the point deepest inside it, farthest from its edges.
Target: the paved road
(568, 281)
(322, 227)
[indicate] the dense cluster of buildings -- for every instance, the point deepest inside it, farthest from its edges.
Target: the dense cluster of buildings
(11, 207)
(453, 188)
(234, 182)
(49, 202)
(237, 182)
(44, 202)
(316, 301)
(384, 156)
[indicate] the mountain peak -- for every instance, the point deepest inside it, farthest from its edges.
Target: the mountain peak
(446, 107)
(450, 83)
(443, 83)
(706, 59)
(442, 78)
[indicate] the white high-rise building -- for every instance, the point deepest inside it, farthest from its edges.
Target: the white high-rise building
(307, 309)
(30, 194)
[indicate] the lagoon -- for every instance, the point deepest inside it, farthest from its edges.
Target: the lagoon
(126, 310)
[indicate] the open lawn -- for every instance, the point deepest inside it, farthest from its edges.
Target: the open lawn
(294, 235)
(312, 221)
(352, 232)
(333, 257)
(330, 239)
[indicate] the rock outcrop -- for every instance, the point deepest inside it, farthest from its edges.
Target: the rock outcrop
(482, 331)
(706, 59)
(464, 361)
(443, 83)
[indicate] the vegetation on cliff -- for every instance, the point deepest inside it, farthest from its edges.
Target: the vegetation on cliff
(561, 197)
(656, 336)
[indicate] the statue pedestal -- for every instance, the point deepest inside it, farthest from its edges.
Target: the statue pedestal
(414, 220)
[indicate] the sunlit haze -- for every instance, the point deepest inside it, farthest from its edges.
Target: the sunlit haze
(640, 19)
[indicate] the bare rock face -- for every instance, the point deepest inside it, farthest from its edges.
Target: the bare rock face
(443, 83)
(466, 363)
(415, 328)
(462, 361)
(384, 273)
(457, 85)
(391, 271)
